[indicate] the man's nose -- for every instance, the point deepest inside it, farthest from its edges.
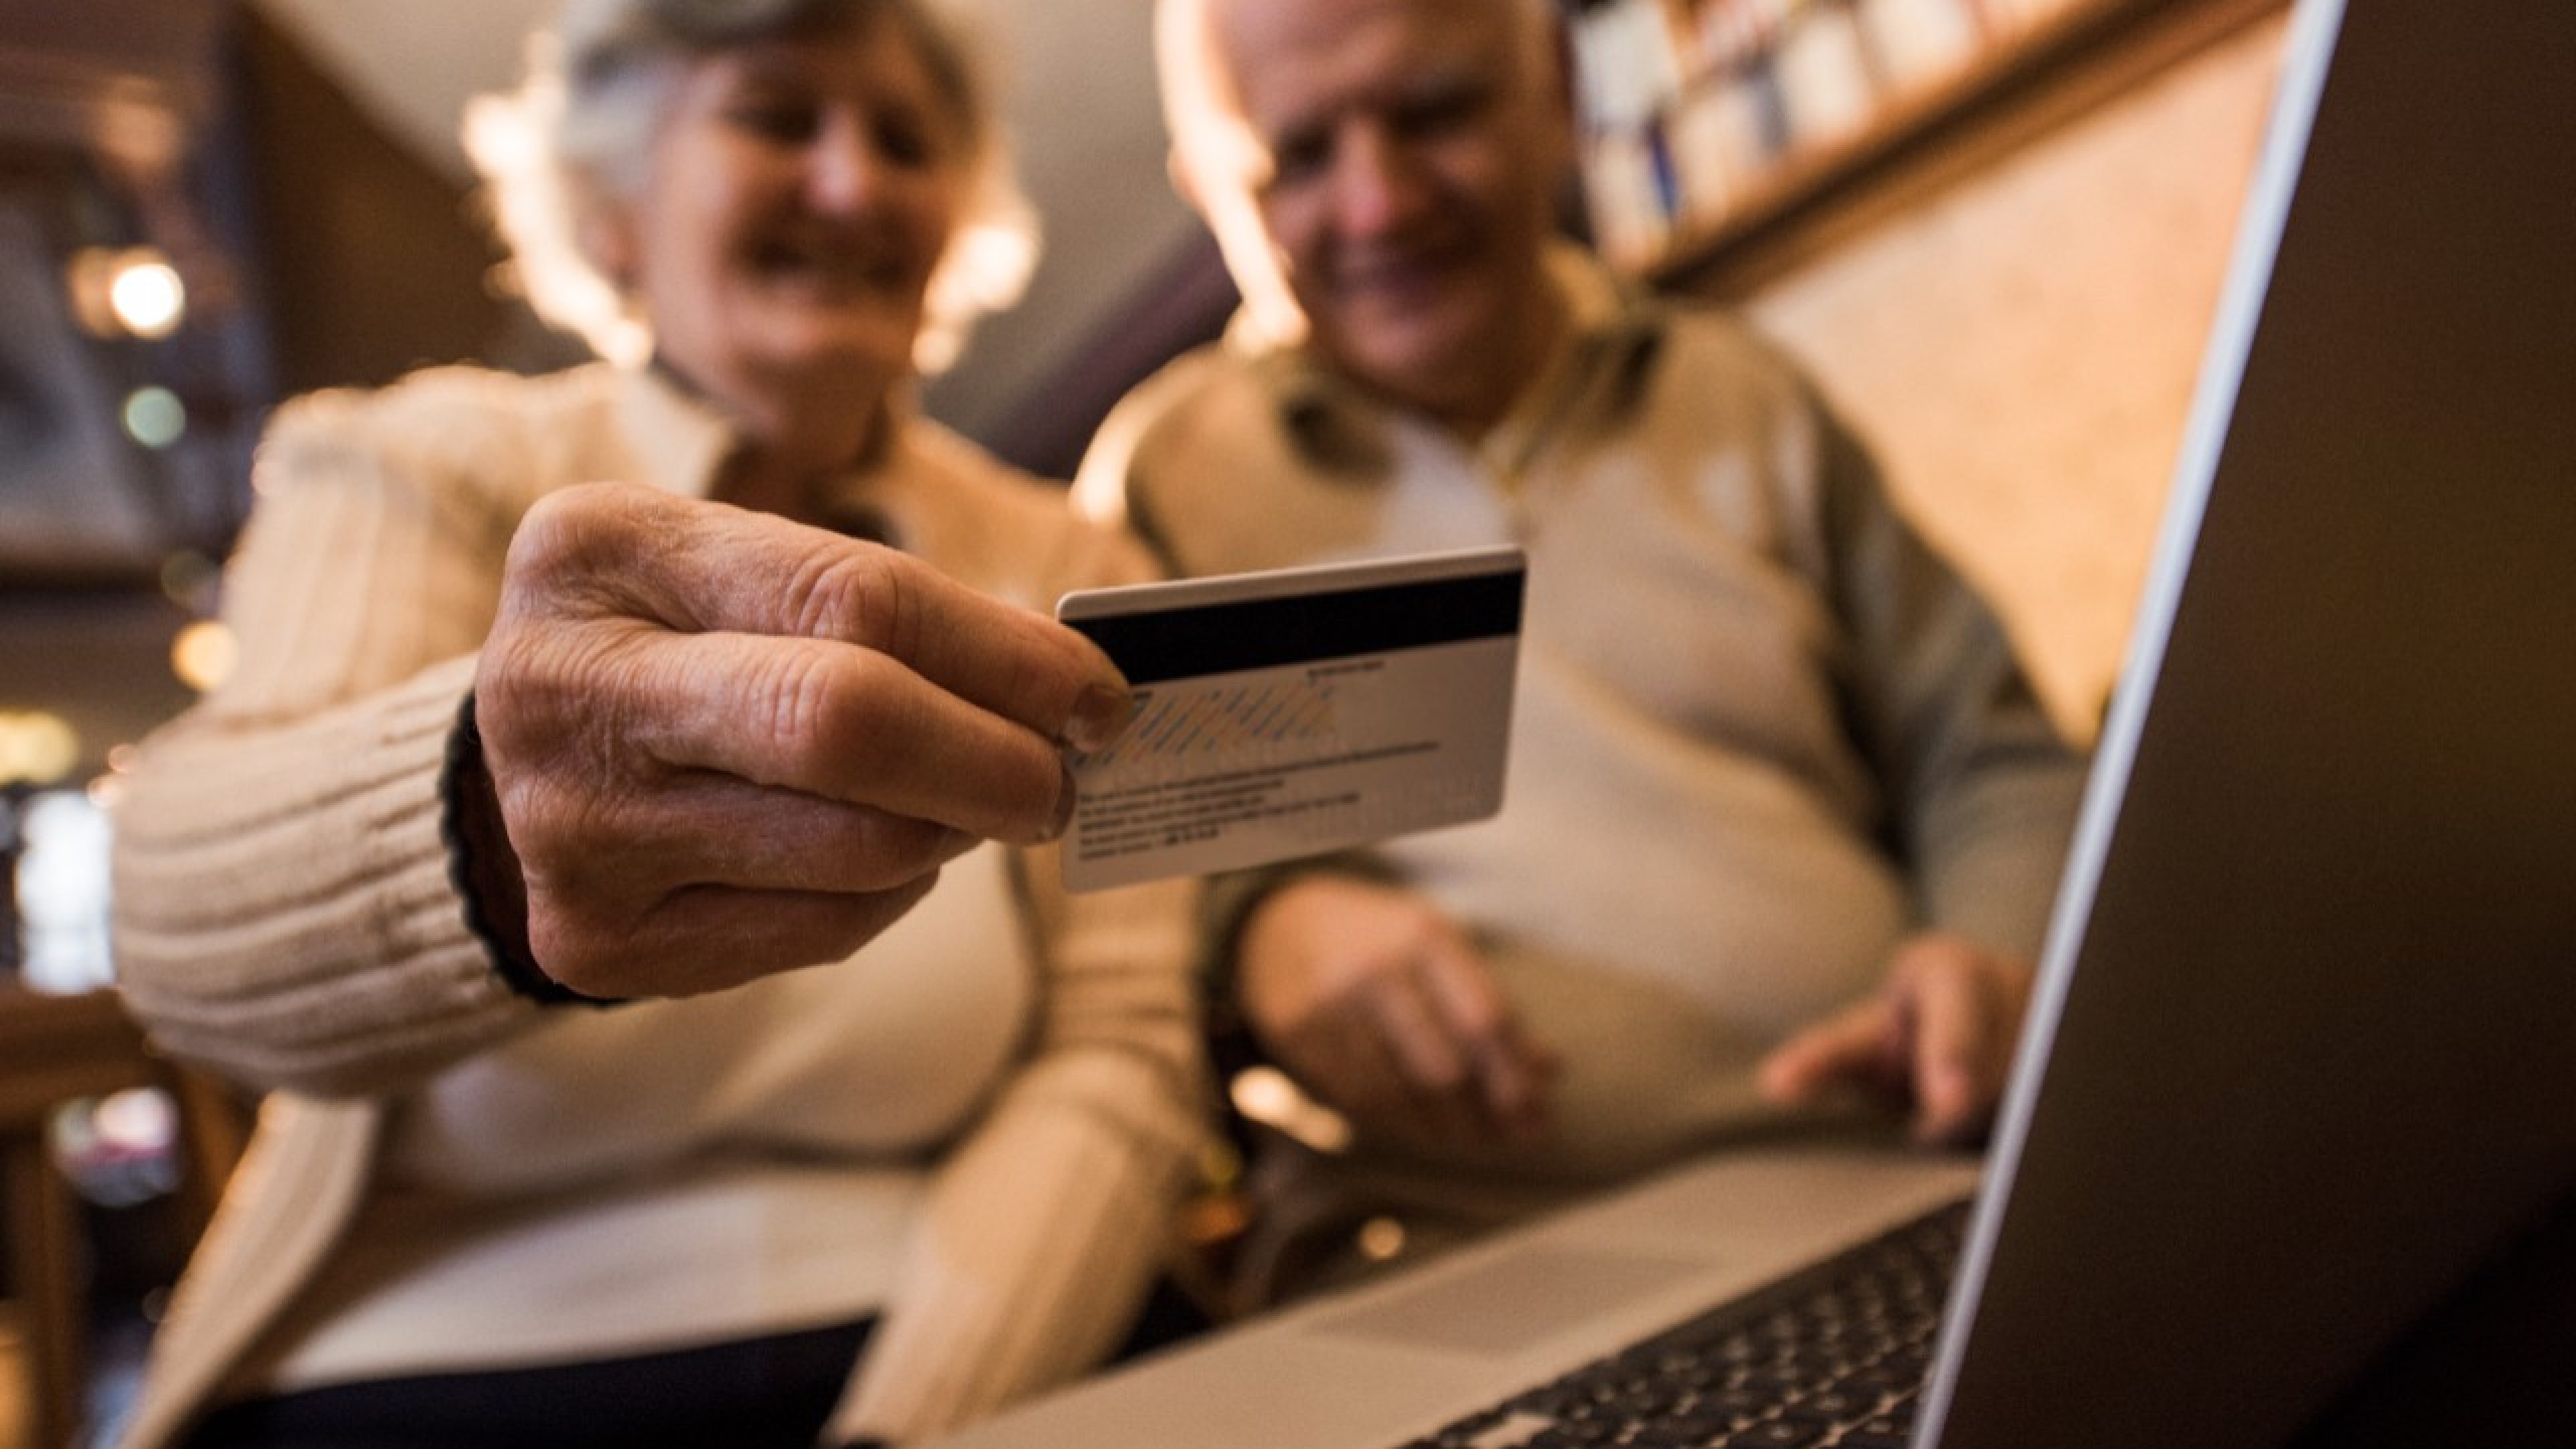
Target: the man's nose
(843, 166)
(1378, 183)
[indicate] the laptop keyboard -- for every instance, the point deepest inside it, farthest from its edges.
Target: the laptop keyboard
(1831, 1357)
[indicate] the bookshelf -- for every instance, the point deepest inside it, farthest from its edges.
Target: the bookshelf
(1724, 141)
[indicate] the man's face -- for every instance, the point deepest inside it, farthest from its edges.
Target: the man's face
(1402, 164)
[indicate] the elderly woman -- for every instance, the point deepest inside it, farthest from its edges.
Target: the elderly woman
(570, 721)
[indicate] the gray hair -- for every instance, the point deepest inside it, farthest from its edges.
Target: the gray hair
(578, 133)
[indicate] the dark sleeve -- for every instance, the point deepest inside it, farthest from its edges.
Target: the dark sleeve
(1982, 790)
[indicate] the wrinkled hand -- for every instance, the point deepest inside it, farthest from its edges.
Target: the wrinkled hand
(1381, 1008)
(723, 744)
(1938, 1037)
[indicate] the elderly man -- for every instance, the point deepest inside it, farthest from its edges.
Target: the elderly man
(1783, 818)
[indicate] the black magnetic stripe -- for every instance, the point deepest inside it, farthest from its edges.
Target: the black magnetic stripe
(1263, 633)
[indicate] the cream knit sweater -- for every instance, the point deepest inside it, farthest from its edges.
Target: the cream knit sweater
(284, 913)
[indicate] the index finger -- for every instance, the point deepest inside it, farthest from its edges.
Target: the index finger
(1854, 1044)
(708, 567)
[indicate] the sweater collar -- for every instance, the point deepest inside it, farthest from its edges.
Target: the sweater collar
(680, 443)
(1612, 330)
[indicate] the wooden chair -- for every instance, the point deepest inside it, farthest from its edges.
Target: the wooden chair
(58, 1049)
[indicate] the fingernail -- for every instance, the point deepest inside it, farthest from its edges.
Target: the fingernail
(1100, 715)
(1067, 795)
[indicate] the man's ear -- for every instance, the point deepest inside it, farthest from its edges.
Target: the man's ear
(1177, 171)
(605, 234)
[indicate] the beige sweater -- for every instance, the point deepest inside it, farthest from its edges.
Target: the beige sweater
(284, 913)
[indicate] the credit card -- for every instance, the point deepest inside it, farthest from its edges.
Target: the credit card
(1295, 712)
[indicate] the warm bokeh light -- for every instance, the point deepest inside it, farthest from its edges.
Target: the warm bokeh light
(36, 747)
(1380, 1239)
(203, 655)
(135, 291)
(1268, 1096)
(146, 295)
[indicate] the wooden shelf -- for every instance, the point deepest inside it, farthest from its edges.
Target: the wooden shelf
(2025, 87)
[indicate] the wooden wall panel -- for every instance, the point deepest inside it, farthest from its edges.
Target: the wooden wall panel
(2022, 348)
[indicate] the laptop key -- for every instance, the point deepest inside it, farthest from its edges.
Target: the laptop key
(1776, 1434)
(1841, 1404)
(1892, 1428)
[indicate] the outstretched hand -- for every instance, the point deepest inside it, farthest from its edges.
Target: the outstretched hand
(723, 744)
(1936, 1039)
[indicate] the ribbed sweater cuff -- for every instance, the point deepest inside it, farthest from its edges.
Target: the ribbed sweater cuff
(462, 776)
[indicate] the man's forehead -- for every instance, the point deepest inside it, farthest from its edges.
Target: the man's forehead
(1290, 56)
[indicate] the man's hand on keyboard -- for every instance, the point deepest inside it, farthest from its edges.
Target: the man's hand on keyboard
(1936, 1039)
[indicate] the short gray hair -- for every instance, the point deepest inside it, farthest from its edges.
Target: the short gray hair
(578, 132)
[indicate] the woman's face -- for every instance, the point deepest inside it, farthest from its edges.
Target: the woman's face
(800, 194)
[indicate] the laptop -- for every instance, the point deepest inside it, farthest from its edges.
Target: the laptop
(2303, 1053)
